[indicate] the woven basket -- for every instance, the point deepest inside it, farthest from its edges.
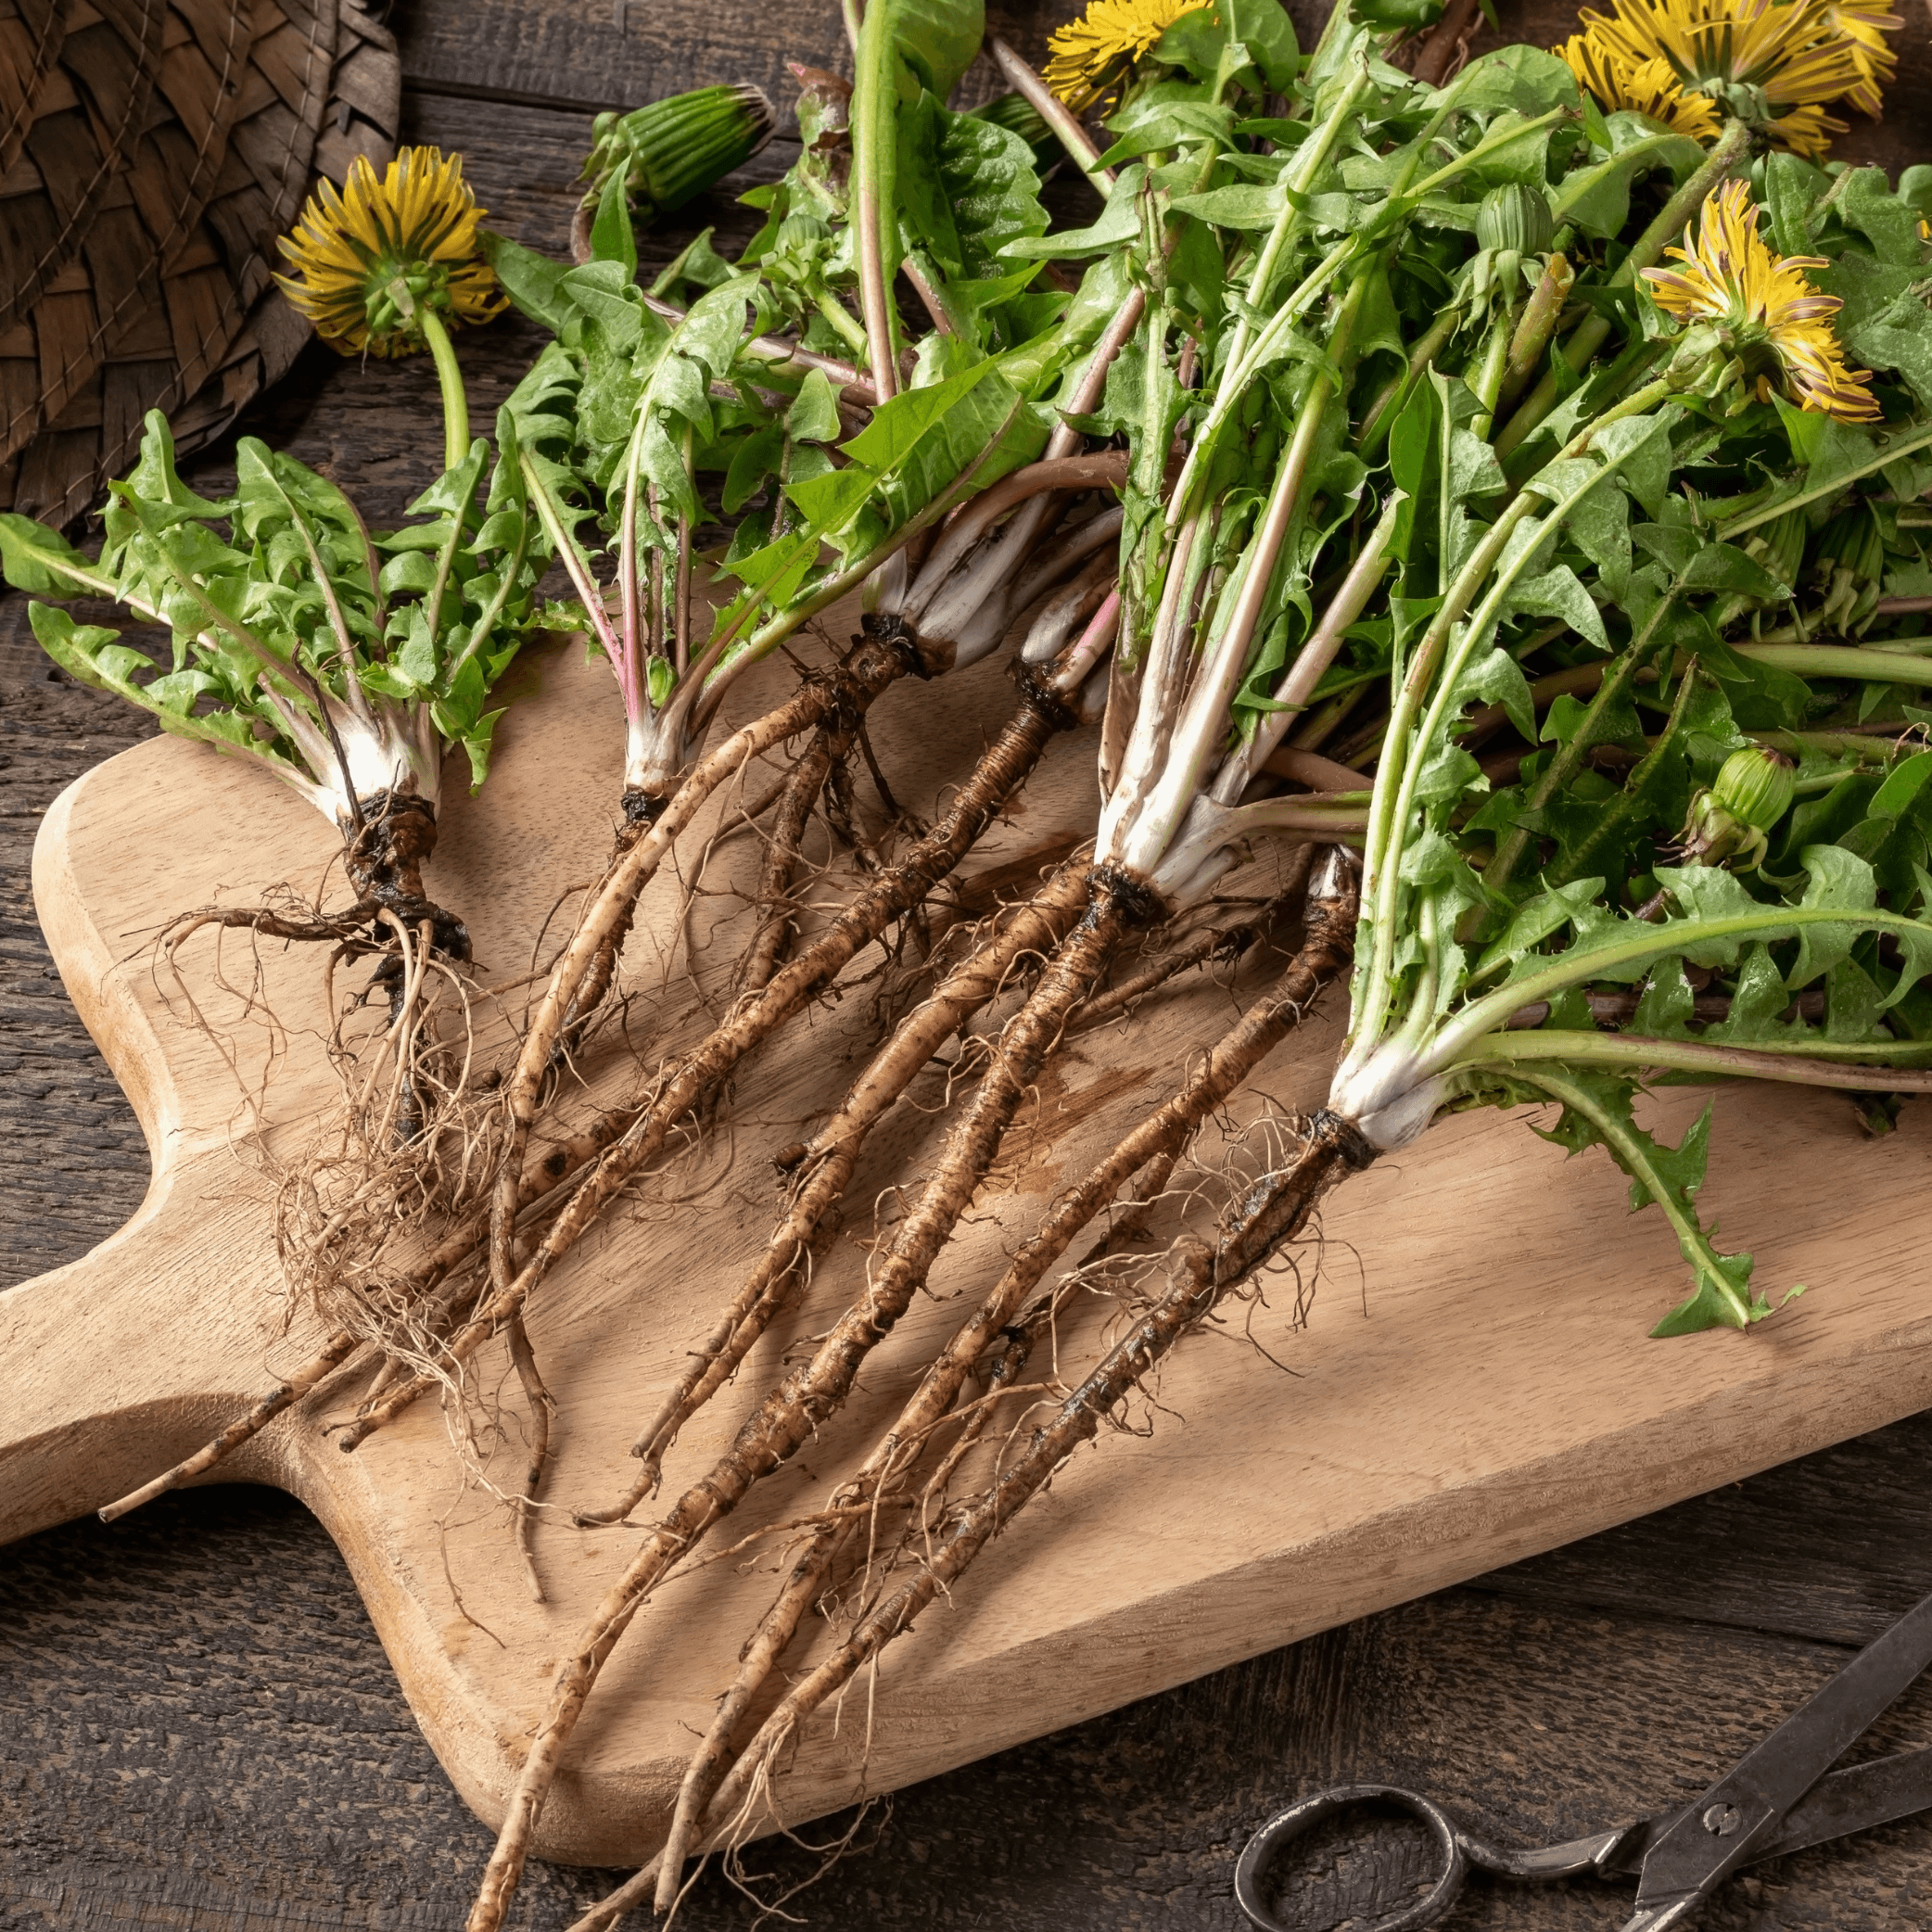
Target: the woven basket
(150, 153)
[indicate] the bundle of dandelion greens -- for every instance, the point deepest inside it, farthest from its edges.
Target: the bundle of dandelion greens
(966, 425)
(1465, 991)
(634, 398)
(1180, 815)
(345, 663)
(348, 664)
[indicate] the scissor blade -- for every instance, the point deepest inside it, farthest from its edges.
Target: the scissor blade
(1657, 1918)
(1855, 1799)
(1746, 1809)
(1847, 1801)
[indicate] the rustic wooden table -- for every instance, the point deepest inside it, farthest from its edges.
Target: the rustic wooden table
(198, 1728)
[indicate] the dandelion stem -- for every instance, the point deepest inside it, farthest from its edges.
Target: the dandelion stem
(448, 376)
(1733, 148)
(1037, 96)
(874, 218)
(1898, 1066)
(1871, 664)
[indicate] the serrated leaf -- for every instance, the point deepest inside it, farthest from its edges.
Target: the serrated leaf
(1792, 188)
(829, 501)
(602, 291)
(1599, 526)
(477, 742)
(612, 237)
(1430, 860)
(1559, 592)
(1496, 679)
(1666, 1004)
(1758, 1002)
(1723, 567)
(1889, 222)
(1597, 1111)
(898, 425)
(1533, 923)
(1525, 80)
(1119, 224)
(533, 281)
(1640, 445)
(754, 459)
(1597, 199)
(1836, 881)
(1852, 1003)
(153, 477)
(1244, 206)
(414, 570)
(37, 559)
(1446, 774)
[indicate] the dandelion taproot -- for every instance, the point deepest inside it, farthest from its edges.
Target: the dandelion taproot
(1777, 64)
(1764, 308)
(373, 259)
(1095, 55)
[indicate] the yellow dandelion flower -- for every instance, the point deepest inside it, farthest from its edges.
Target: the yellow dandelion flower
(1651, 88)
(372, 255)
(1093, 57)
(1778, 63)
(1864, 23)
(1765, 307)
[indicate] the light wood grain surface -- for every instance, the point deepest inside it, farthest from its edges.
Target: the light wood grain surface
(1473, 1382)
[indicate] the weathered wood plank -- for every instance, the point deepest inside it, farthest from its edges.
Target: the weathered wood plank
(1829, 1548)
(74, 1164)
(550, 51)
(196, 1712)
(574, 52)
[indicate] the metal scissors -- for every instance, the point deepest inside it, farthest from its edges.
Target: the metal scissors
(1781, 1796)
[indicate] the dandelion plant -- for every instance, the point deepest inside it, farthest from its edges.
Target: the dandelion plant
(343, 662)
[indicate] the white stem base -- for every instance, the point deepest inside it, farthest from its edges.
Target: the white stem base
(1387, 1094)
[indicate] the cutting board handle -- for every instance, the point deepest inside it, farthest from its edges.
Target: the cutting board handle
(110, 1370)
(107, 1378)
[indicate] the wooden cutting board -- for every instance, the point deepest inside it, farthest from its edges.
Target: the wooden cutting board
(1472, 1384)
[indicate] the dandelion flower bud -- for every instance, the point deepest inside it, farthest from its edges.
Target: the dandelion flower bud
(1516, 217)
(673, 150)
(1728, 821)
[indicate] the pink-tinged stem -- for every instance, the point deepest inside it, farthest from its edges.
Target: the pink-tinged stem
(1037, 96)
(1093, 380)
(1071, 668)
(1310, 769)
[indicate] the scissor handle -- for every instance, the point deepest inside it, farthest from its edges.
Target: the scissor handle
(1281, 1831)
